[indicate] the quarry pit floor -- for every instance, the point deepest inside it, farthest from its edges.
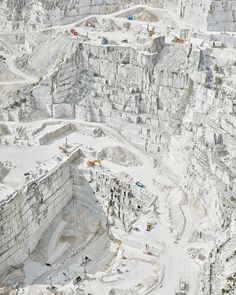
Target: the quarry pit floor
(125, 262)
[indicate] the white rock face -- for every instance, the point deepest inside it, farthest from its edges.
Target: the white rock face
(158, 78)
(26, 214)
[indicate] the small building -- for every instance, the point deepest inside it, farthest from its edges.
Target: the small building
(180, 293)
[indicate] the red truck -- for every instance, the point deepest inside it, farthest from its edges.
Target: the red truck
(74, 32)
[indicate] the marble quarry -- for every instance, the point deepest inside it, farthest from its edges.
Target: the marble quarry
(118, 147)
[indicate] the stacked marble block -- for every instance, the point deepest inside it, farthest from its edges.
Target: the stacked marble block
(209, 15)
(118, 198)
(222, 16)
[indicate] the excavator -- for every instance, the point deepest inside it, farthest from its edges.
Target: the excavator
(92, 163)
(64, 150)
(151, 32)
(178, 40)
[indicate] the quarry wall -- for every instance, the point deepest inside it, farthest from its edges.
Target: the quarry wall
(209, 174)
(160, 100)
(210, 15)
(158, 108)
(121, 85)
(26, 214)
(118, 198)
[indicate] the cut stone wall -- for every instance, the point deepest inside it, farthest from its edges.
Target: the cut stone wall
(118, 198)
(222, 16)
(121, 85)
(27, 213)
(208, 15)
(207, 143)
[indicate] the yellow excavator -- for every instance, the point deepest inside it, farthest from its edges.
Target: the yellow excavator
(92, 163)
(178, 40)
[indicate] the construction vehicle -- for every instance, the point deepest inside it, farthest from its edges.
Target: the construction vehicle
(149, 226)
(182, 285)
(178, 40)
(130, 17)
(92, 163)
(151, 32)
(139, 184)
(89, 24)
(64, 150)
(104, 41)
(74, 32)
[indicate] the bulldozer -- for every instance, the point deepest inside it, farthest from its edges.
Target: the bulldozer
(92, 163)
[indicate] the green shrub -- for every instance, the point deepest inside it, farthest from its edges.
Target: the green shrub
(216, 68)
(218, 80)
